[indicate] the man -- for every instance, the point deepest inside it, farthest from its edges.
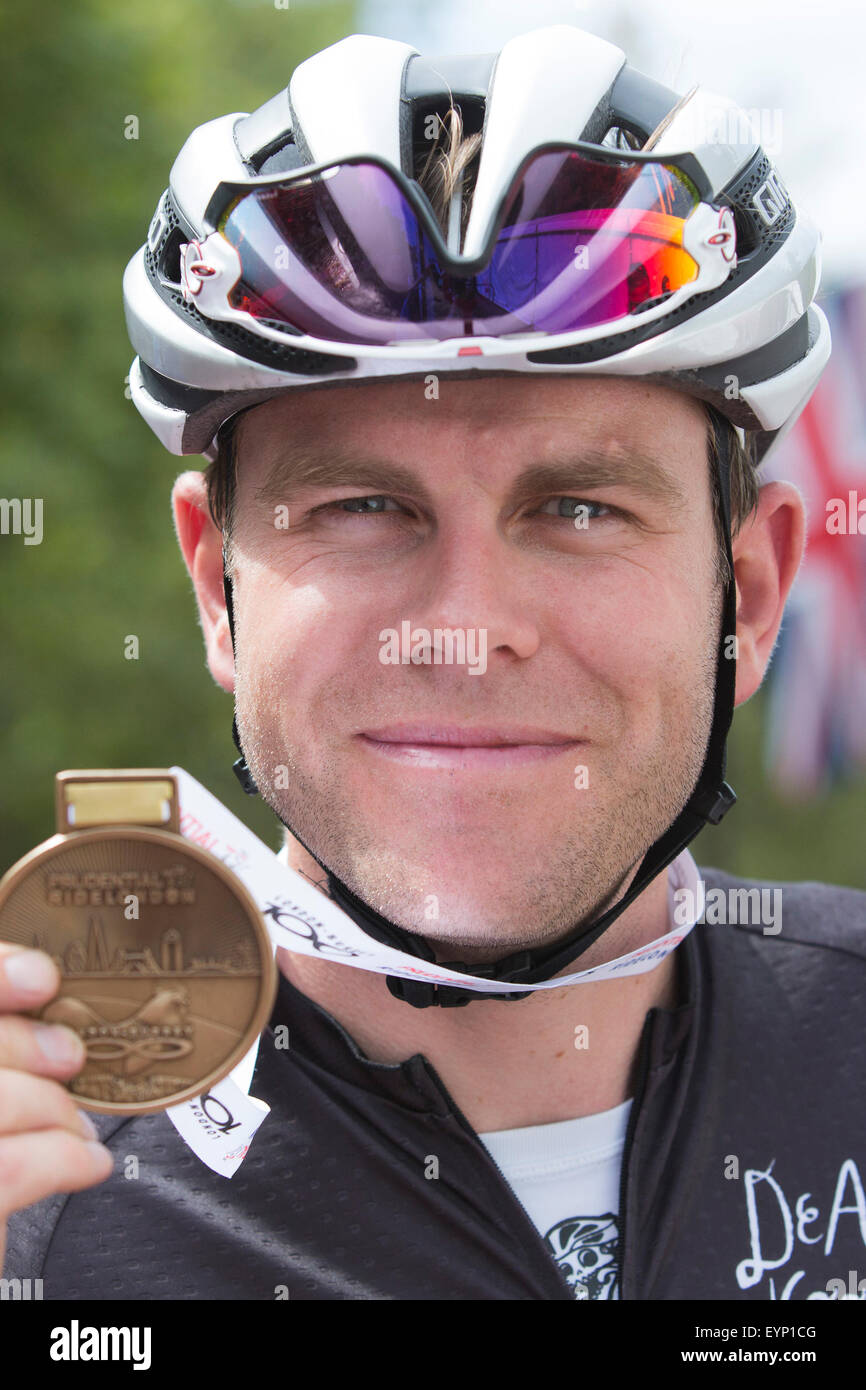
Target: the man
(549, 454)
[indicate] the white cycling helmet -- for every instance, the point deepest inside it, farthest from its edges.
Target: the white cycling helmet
(606, 225)
(219, 323)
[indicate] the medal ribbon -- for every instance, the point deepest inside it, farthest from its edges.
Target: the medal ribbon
(220, 1125)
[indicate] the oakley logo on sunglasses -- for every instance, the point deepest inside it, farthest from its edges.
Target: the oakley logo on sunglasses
(726, 237)
(194, 269)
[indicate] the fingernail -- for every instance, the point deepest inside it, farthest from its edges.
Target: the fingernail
(59, 1044)
(30, 971)
(87, 1124)
(99, 1151)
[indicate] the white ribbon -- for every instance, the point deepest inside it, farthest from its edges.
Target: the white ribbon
(219, 1126)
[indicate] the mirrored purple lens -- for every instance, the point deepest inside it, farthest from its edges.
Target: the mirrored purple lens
(342, 255)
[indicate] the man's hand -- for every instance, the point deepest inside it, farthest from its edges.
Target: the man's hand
(46, 1143)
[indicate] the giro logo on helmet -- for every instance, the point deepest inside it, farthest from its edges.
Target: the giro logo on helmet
(771, 199)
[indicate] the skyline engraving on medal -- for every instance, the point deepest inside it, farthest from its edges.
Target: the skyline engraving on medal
(90, 957)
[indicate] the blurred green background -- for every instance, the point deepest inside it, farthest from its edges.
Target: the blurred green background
(78, 200)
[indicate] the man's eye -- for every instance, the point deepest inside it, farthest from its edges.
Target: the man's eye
(575, 509)
(377, 503)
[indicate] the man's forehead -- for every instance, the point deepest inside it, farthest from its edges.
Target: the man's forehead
(597, 402)
(500, 423)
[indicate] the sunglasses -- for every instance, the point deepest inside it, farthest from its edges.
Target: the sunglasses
(351, 252)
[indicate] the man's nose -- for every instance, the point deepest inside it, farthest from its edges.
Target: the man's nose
(473, 580)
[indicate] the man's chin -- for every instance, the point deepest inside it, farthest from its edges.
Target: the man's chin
(476, 927)
(477, 894)
(479, 914)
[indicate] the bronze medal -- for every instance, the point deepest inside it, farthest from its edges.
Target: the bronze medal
(168, 972)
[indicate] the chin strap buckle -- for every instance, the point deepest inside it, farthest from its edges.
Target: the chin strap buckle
(239, 767)
(424, 994)
(244, 776)
(715, 804)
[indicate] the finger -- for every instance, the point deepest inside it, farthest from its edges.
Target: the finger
(32, 1103)
(33, 1166)
(27, 978)
(48, 1049)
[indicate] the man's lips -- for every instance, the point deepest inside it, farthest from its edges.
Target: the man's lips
(456, 745)
(460, 735)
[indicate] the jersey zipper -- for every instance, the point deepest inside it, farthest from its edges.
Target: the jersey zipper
(643, 1067)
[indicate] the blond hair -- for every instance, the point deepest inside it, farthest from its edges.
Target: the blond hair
(452, 157)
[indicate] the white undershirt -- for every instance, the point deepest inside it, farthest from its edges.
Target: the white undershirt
(566, 1175)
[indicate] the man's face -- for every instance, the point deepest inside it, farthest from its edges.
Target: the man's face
(564, 527)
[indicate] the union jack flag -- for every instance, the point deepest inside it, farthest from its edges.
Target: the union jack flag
(817, 678)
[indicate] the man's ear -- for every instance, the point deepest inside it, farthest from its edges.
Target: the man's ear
(201, 544)
(767, 552)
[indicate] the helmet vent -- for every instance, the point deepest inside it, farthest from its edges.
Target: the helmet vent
(282, 159)
(619, 138)
(169, 261)
(163, 260)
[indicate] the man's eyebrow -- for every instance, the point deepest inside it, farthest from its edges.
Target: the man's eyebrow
(296, 469)
(592, 469)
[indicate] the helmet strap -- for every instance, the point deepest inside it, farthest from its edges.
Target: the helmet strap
(239, 767)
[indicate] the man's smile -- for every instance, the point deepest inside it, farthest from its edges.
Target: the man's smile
(459, 746)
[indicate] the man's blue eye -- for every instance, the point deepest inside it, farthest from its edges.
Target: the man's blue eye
(574, 507)
(362, 504)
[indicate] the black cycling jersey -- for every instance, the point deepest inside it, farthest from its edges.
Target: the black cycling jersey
(742, 1174)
